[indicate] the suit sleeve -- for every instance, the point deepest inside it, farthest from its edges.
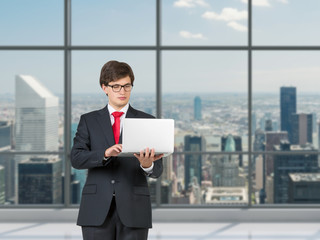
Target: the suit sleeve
(156, 171)
(82, 157)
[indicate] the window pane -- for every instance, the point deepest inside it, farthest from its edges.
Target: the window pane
(31, 114)
(35, 22)
(88, 96)
(286, 99)
(205, 179)
(291, 178)
(31, 179)
(286, 110)
(204, 22)
(32, 99)
(121, 22)
(206, 94)
(291, 22)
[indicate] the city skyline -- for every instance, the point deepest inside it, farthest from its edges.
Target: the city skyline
(223, 126)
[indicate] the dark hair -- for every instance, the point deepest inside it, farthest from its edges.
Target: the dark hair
(114, 70)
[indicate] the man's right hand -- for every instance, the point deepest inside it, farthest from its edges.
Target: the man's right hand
(113, 151)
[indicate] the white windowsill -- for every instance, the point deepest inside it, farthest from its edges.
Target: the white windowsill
(175, 215)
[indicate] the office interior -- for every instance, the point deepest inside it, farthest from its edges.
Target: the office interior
(239, 78)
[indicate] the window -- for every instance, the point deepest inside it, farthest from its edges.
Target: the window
(240, 81)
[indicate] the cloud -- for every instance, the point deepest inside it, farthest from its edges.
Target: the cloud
(260, 3)
(227, 14)
(237, 26)
(186, 34)
(190, 3)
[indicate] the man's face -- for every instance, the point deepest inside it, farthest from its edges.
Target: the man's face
(118, 99)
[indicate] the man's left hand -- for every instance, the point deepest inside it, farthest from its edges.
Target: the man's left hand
(147, 157)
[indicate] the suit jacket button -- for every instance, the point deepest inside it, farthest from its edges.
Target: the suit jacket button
(113, 181)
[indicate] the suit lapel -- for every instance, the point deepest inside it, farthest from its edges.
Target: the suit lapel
(104, 121)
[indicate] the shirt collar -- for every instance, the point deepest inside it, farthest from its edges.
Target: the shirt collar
(124, 109)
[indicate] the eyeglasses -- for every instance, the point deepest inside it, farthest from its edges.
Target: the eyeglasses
(117, 87)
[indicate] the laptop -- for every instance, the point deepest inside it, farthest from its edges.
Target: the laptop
(140, 133)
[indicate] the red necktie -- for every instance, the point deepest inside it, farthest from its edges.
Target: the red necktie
(116, 126)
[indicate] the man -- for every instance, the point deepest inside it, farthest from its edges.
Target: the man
(115, 201)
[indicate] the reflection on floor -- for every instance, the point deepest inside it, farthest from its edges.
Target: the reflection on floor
(173, 231)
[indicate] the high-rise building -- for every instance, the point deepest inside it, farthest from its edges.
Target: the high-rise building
(227, 139)
(259, 140)
(253, 123)
(225, 168)
(284, 164)
(193, 162)
(40, 181)
(268, 125)
(37, 119)
(314, 122)
(269, 189)
(37, 116)
(288, 106)
(167, 169)
(238, 145)
(197, 108)
(319, 135)
(7, 160)
(5, 134)
(2, 185)
(304, 188)
(272, 138)
(258, 163)
(301, 132)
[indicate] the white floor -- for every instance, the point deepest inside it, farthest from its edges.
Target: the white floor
(173, 231)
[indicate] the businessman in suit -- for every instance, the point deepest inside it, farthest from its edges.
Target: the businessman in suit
(115, 203)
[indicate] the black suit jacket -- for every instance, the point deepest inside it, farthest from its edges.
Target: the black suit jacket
(120, 175)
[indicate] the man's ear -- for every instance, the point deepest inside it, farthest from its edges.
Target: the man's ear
(105, 89)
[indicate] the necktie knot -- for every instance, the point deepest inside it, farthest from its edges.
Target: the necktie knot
(116, 126)
(117, 114)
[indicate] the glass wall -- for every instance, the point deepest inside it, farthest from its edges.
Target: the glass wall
(240, 79)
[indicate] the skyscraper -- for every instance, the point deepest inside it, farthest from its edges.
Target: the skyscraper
(6, 160)
(259, 140)
(253, 123)
(301, 128)
(268, 125)
(40, 181)
(314, 122)
(284, 164)
(193, 162)
(304, 188)
(197, 108)
(319, 135)
(238, 145)
(225, 168)
(258, 164)
(5, 134)
(37, 119)
(2, 185)
(272, 138)
(288, 106)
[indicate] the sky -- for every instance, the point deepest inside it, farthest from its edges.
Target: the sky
(184, 23)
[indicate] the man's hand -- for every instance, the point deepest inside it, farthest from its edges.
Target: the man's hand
(113, 151)
(146, 158)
